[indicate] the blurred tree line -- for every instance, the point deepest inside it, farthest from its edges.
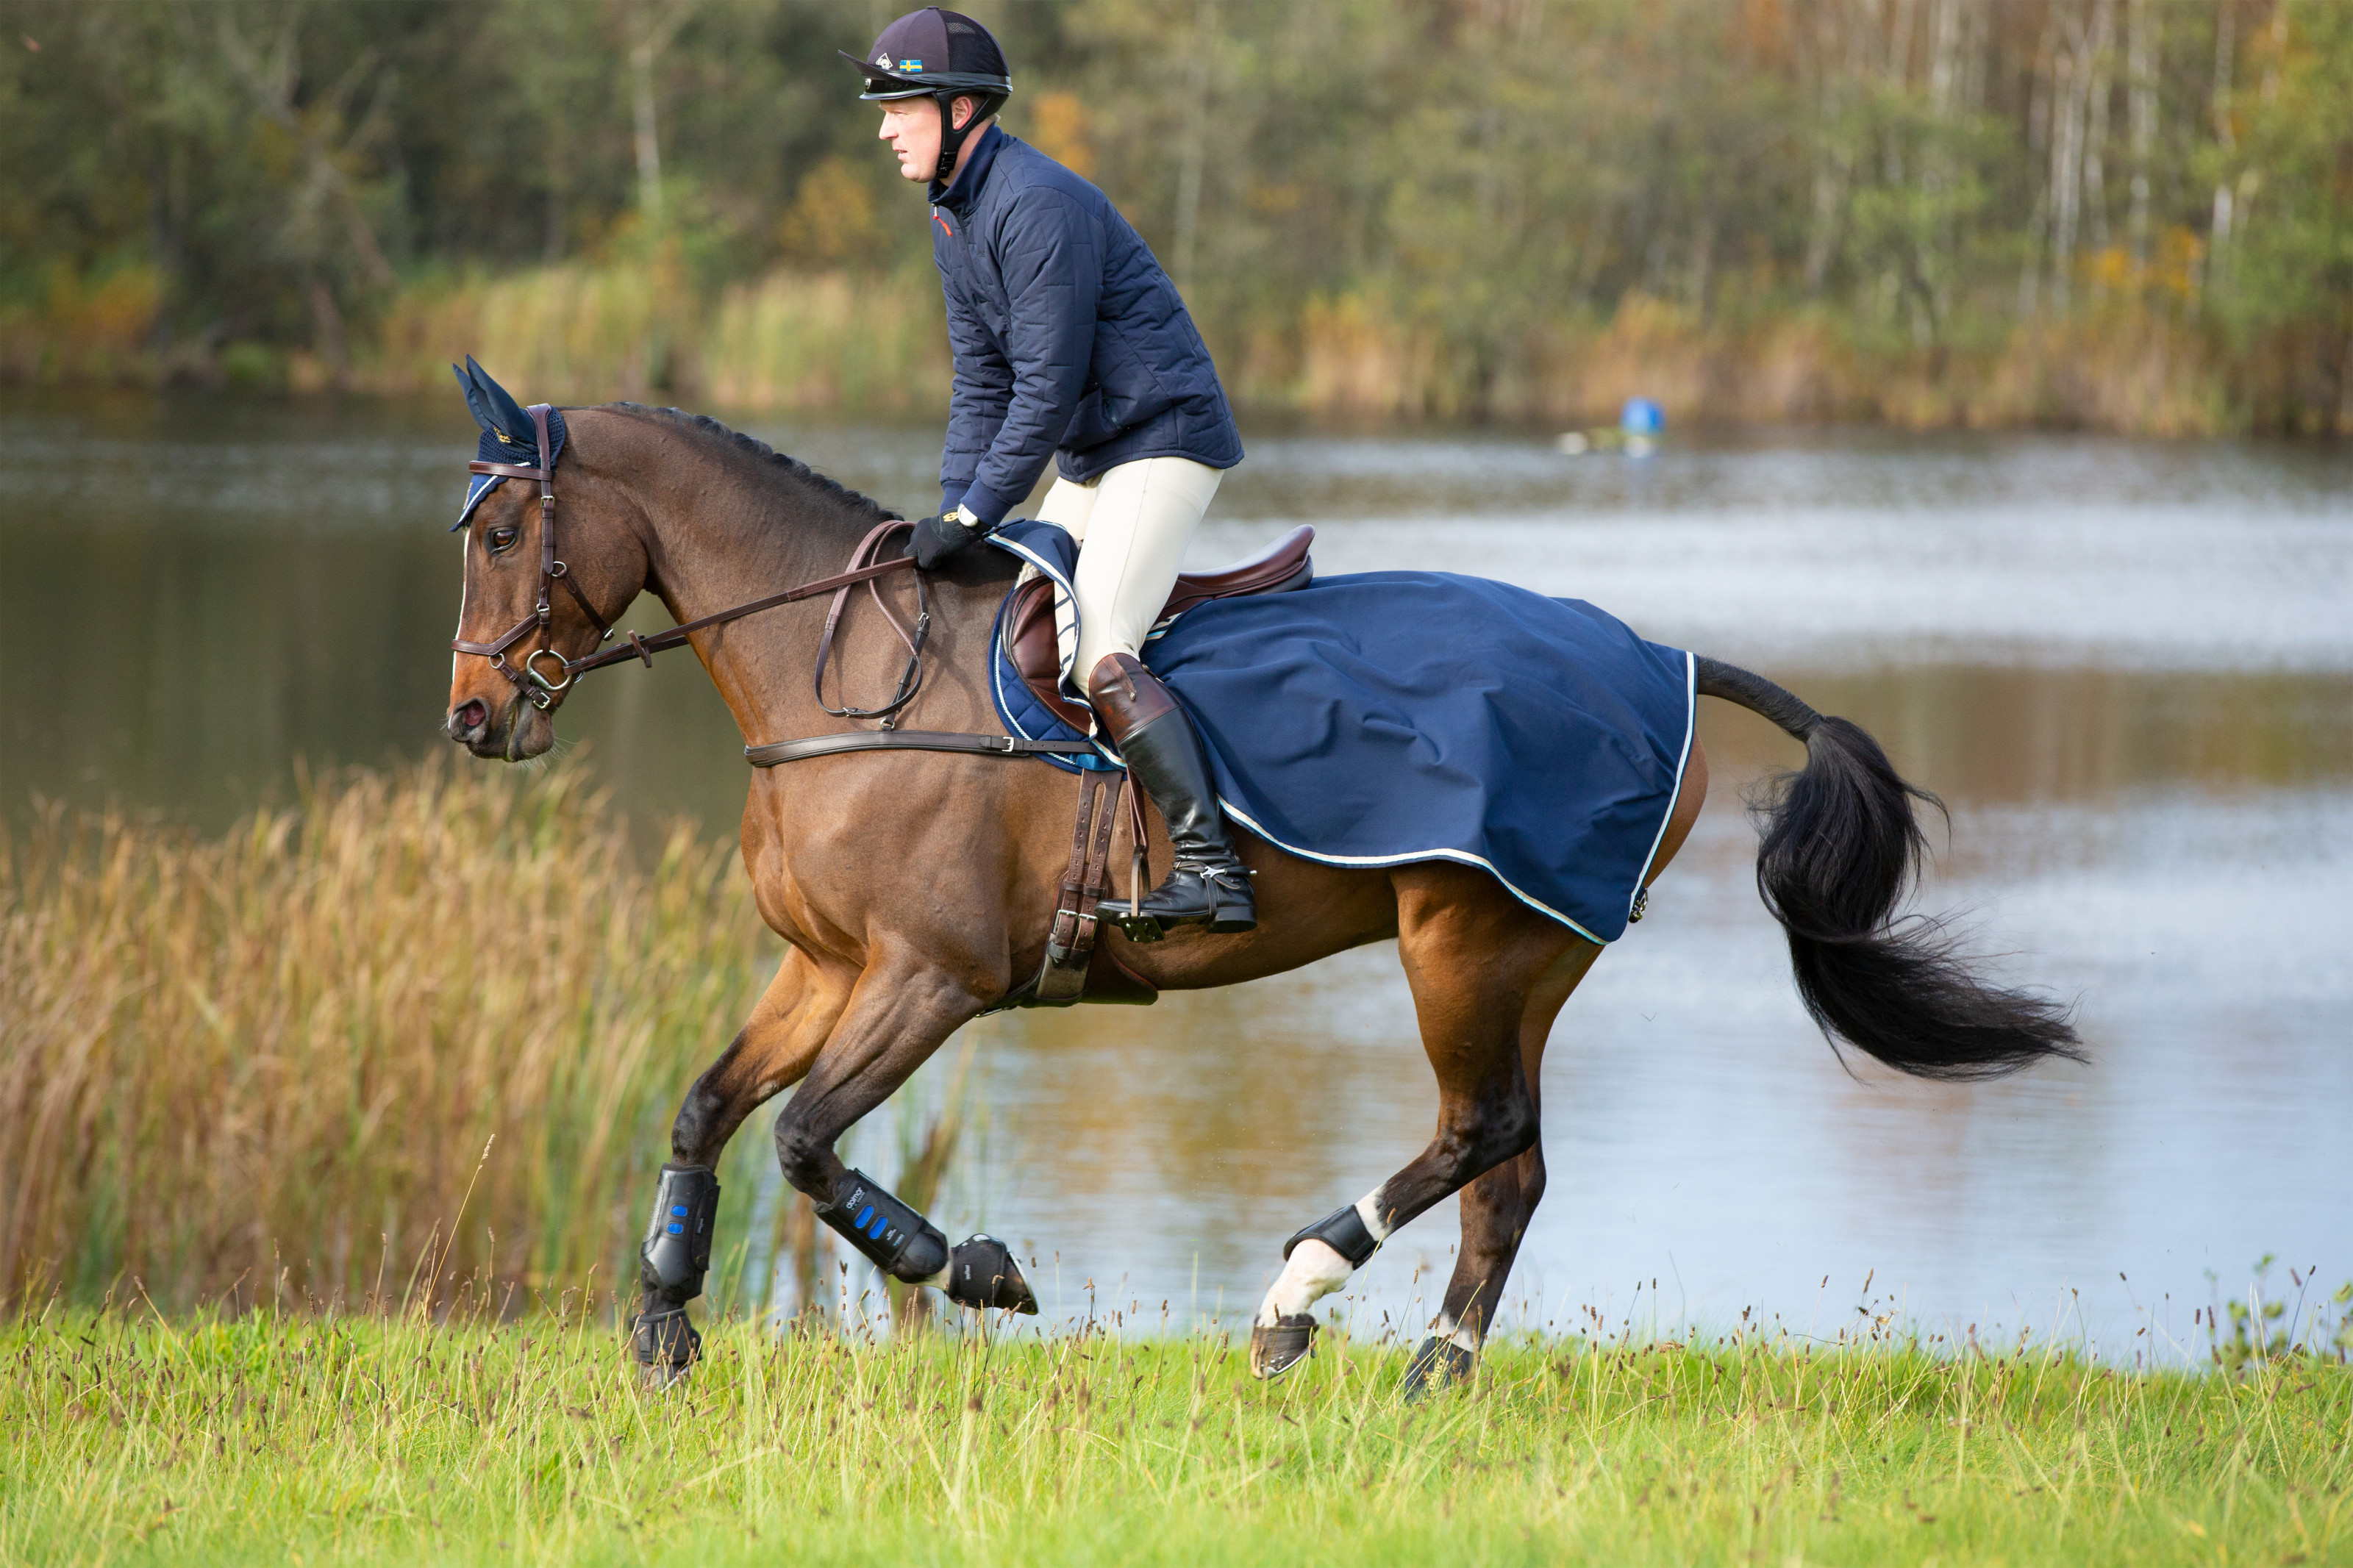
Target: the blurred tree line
(2123, 212)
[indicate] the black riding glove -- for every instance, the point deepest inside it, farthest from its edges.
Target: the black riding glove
(937, 538)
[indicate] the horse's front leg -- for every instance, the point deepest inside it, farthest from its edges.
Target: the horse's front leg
(773, 1050)
(903, 1010)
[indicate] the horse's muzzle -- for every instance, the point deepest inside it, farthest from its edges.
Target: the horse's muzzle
(469, 722)
(512, 732)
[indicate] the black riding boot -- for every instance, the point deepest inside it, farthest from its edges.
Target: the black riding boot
(1165, 759)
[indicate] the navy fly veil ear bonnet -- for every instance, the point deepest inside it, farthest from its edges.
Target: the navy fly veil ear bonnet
(508, 434)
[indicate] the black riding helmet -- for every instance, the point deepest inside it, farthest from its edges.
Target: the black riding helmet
(942, 56)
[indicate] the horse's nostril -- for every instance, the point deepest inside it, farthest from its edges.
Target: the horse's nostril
(469, 716)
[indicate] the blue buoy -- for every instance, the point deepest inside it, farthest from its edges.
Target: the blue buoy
(1642, 417)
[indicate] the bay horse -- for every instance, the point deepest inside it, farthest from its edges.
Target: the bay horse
(914, 891)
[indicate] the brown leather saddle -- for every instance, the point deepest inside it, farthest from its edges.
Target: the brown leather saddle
(1030, 626)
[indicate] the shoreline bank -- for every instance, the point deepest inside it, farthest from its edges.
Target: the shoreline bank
(2133, 363)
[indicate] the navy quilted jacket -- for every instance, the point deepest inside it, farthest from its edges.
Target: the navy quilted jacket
(1069, 341)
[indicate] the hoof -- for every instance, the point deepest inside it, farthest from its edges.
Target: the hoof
(1276, 1349)
(665, 1346)
(983, 1275)
(1436, 1367)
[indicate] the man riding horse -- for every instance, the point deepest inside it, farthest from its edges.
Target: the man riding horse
(1072, 345)
(1492, 778)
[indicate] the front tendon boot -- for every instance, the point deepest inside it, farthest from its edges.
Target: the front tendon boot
(671, 1262)
(1208, 883)
(886, 1232)
(982, 1275)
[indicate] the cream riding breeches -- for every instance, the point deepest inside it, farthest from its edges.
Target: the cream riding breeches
(1132, 523)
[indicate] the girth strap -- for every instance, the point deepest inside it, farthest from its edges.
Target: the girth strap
(776, 752)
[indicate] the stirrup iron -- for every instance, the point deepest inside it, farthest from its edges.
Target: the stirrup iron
(1224, 887)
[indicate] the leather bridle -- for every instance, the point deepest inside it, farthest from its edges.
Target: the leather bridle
(544, 692)
(537, 688)
(1062, 978)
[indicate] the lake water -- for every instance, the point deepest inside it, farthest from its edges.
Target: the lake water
(2128, 668)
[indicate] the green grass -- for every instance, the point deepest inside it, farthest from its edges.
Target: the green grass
(124, 1437)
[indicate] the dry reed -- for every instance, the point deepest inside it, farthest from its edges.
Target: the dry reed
(269, 1065)
(2136, 360)
(827, 341)
(91, 331)
(576, 333)
(2133, 368)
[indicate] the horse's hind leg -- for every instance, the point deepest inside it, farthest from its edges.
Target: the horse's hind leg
(1476, 958)
(775, 1047)
(1498, 1206)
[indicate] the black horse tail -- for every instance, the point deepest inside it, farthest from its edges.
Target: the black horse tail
(1840, 849)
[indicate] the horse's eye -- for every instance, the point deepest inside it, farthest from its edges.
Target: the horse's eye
(502, 539)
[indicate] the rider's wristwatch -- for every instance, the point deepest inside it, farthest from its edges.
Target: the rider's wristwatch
(969, 523)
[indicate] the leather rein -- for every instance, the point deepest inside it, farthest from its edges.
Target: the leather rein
(544, 691)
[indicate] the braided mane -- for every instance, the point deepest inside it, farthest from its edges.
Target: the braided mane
(753, 447)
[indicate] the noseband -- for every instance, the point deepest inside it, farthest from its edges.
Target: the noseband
(544, 692)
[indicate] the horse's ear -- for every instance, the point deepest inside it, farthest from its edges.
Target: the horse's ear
(493, 407)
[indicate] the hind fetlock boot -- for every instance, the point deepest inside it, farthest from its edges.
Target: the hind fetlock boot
(1208, 884)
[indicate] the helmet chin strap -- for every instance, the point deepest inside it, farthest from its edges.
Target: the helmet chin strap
(951, 136)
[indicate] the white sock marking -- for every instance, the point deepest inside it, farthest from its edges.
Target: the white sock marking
(1315, 1271)
(1462, 1336)
(1316, 1268)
